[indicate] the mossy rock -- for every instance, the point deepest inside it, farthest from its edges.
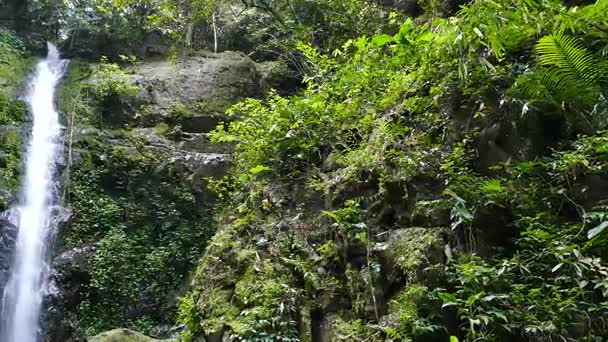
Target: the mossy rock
(122, 335)
(415, 252)
(199, 85)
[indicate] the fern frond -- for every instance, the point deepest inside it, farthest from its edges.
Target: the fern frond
(533, 88)
(568, 60)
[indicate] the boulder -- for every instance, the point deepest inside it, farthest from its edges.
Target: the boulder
(201, 164)
(188, 161)
(201, 142)
(69, 275)
(123, 335)
(195, 90)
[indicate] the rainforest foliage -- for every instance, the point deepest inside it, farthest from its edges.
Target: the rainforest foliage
(495, 115)
(439, 174)
(268, 28)
(148, 228)
(14, 65)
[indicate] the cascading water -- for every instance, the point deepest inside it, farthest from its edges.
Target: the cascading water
(23, 293)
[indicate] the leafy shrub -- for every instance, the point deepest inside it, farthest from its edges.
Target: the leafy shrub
(13, 68)
(102, 96)
(11, 110)
(109, 79)
(10, 40)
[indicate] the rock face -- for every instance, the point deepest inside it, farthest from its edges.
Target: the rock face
(122, 335)
(8, 238)
(413, 252)
(195, 90)
(70, 273)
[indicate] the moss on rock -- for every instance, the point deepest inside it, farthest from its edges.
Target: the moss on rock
(122, 335)
(149, 225)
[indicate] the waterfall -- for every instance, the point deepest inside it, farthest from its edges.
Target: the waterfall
(23, 293)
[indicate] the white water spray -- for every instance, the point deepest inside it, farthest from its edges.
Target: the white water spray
(23, 293)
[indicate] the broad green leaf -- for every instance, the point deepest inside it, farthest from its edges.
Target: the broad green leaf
(382, 40)
(425, 37)
(448, 299)
(258, 169)
(598, 229)
(493, 185)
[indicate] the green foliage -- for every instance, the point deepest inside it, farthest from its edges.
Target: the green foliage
(73, 96)
(348, 92)
(571, 78)
(108, 79)
(115, 28)
(410, 252)
(548, 290)
(400, 118)
(150, 229)
(272, 135)
(100, 95)
(266, 29)
(356, 330)
(10, 163)
(324, 24)
(11, 110)
(410, 314)
(552, 284)
(272, 300)
(188, 315)
(395, 120)
(349, 221)
(13, 68)
(10, 40)
(253, 294)
(569, 58)
(288, 133)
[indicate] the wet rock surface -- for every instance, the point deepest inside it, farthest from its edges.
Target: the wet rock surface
(8, 239)
(69, 276)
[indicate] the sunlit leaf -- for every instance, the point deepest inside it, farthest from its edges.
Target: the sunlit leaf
(596, 230)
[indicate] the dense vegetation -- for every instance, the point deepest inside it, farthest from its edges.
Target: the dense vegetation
(480, 116)
(148, 227)
(438, 174)
(13, 67)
